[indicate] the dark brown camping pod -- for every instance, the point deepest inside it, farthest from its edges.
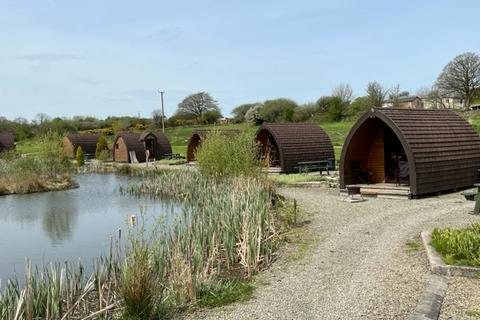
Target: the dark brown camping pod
(428, 150)
(88, 142)
(287, 145)
(7, 141)
(134, 147)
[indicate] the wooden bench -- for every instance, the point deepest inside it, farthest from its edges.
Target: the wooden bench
(322, 165)
(173, 156)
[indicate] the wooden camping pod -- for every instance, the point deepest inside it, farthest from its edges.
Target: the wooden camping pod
(7, 141)
(131, 147)
(288, 144)
(440, 148)
(88, 142)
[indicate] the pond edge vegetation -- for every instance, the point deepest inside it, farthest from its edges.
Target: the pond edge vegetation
(230, 229)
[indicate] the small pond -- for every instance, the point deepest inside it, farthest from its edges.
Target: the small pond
(68, 225)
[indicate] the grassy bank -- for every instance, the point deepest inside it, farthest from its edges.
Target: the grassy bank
(458, 246)
(46, 171)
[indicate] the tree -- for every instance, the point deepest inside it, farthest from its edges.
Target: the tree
(80, 157)
(344, 92)
(460, 78)
(304, 112)
(394, 96)
(102, 145)
(336, 109)
(433, 97)
(359, 106)
(323, 103)
(376, 94)
(157, 119)
(240, 111)
(197, 104)
(253, 114)
(278, 110)
(211, 116)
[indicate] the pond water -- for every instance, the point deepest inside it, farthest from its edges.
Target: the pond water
(68, 225)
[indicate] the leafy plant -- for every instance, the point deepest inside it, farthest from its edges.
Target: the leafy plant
(80, 157)
(458, 246)
(102, 145)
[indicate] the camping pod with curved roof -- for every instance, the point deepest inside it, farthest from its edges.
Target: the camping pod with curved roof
(133, 147)
(286, 145)
(198, 136)
(88, 142)
(7, 141)
(429, 150)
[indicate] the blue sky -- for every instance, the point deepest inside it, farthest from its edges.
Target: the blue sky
(102, 58)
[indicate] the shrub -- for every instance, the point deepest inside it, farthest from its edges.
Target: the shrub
(222, 156)
(458, 246)
(80, 157)
(104, 155)
(102, 145)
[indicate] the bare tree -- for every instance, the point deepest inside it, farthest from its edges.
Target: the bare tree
(157, 119)
(394, 95)
(433, 97)
(197, 104)
(344, 92)
(460, 78)
(376, 94)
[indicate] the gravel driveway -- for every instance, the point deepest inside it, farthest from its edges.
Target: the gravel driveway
(361, 265)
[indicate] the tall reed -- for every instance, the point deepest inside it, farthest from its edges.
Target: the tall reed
(228, 228)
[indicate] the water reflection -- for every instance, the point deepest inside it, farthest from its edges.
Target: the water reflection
(60, 214)
(67, 225)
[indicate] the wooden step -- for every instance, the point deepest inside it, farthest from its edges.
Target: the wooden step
(384, 191)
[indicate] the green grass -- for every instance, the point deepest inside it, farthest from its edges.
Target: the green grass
(412, 246)
(458, 246)
(29, 146)
(179, 136)
(226, 292)
(182, 150)
(337, 131)
(294, 178)
(473, 313)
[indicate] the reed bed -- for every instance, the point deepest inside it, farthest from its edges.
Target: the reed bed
(228, 228)
(63, 291)
(227, 231)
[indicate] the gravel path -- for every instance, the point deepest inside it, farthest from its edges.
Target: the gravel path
(361, 266)
(462, 300)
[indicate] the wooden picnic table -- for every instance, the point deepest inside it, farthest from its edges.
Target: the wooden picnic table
(319, 165)
(174, 156)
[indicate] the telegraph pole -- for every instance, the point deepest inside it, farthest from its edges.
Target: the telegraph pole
(163, 113)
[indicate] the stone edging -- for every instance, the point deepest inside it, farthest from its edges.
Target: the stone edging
(437, 266)
(430, 302)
